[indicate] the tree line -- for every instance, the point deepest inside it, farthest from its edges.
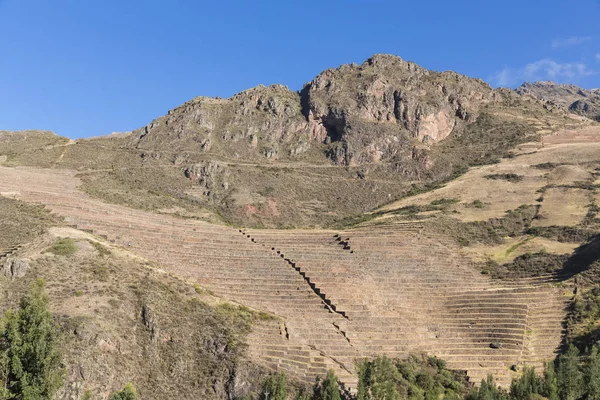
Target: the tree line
(31, 369)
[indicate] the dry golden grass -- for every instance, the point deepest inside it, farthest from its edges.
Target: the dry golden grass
(559, 178)
(563, 207)
(569, 175)
(496, 196)
(569, 164)
(187, 349)
(20, 222)
(515, 247)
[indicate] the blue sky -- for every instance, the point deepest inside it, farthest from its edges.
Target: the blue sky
(90, 67)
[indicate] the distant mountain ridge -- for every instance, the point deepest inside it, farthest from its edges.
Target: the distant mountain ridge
(578, 100)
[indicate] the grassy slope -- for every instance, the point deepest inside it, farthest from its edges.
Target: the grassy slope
(22, 222)
(188, 346)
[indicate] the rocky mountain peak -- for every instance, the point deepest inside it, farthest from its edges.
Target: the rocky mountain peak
(367, 113)
(572, 97)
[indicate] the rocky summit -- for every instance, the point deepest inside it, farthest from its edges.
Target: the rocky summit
(574, 98)
(356, 114)
(242, 246)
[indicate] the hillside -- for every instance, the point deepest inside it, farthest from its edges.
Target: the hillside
(352, 139)
(122, 318)
(574, 98)
(384, 209)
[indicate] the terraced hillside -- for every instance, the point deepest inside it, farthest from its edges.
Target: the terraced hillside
(338, 295)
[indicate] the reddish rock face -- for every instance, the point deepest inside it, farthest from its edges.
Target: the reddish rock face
(380, 105)
(363, 114)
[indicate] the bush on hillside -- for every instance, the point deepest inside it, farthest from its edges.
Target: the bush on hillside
(127, 393)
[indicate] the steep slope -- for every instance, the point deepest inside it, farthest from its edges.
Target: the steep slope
(338, 296)
(574, 98)
(122, 318)
(352, 139)
(386, 101)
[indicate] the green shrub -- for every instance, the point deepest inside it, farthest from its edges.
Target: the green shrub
(444, 201)
(414, 378)
(570, 377)
(102, 250)
(63, 247)
(327, 389)
(127, 393)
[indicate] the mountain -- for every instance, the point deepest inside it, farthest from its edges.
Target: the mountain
(408, 212)
(574, 98)
(362, 114)
(352, 139)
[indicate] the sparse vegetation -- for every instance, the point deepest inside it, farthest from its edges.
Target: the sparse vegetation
(63, 247)
(492, 231)
(20, 222)
(546, 165)
(102, 250)
(444, 201)
(513, 178)
(477, 203)
(583, 317)
(565, 234)
(528, 265)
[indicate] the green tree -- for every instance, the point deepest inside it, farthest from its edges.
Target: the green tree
(570, 378)
(274, 388)
(592, 375)
(29, 347)
(364, 380)
(383, 380)
(488, 390)
(550, 382)
(328, 389)
(127, 393)
(526, 385)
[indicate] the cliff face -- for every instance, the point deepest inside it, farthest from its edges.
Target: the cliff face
(353, 115)
(574, 98)
(376, 110)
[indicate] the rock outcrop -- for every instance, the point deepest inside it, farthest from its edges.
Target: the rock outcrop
(14, 268)
(574, 98)
(211, 176)
(355, 114)
(376, 110)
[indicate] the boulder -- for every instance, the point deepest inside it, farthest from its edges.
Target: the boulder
(15, 267)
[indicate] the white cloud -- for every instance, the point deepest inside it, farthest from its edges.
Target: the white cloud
(570, 41)
(544, 69)
(553, 70)
(504, 78)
